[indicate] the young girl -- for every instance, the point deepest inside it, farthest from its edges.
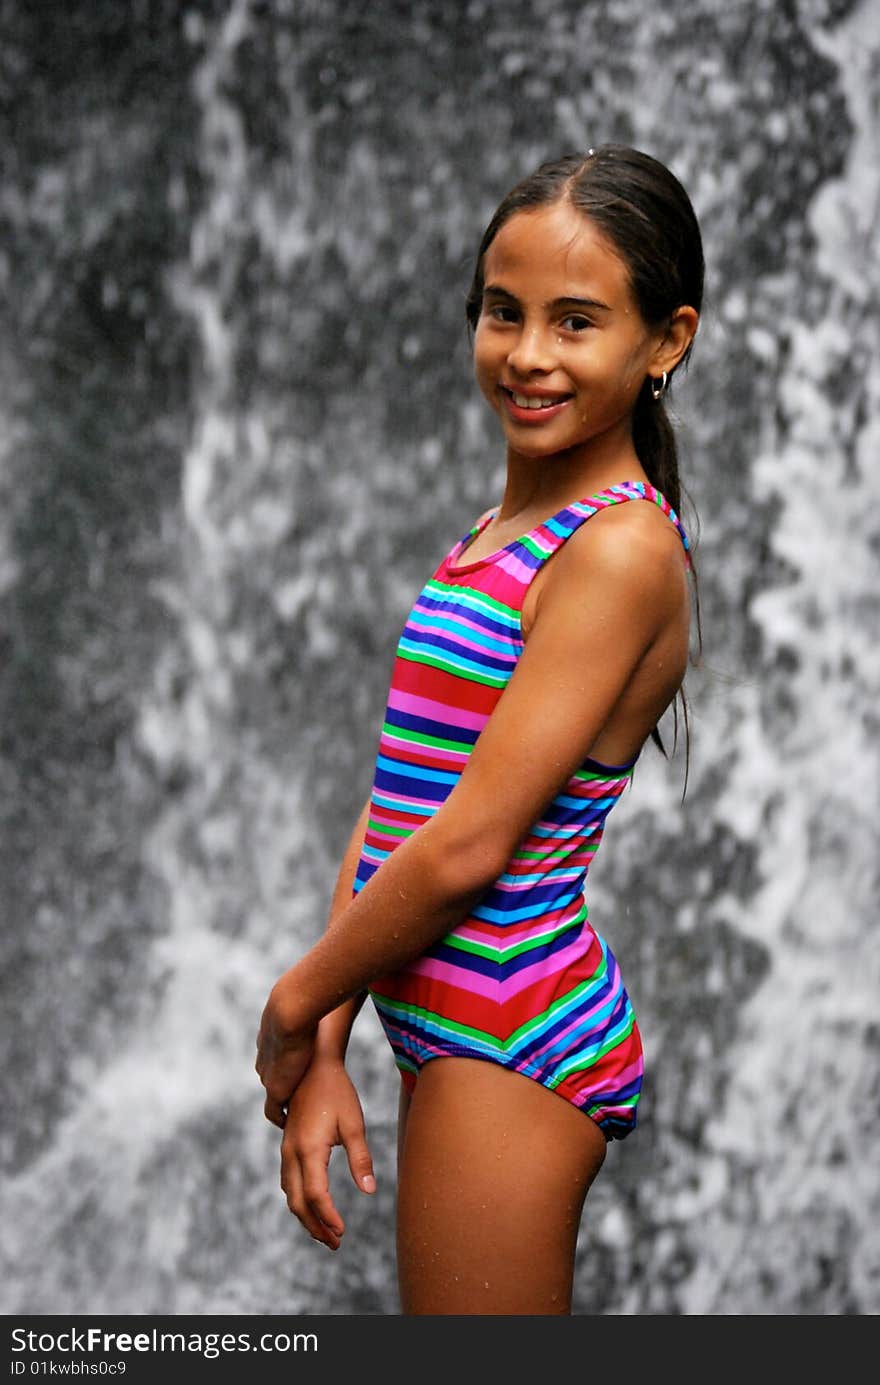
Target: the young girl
(535, 663)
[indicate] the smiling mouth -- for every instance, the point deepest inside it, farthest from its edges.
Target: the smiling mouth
(534, 401)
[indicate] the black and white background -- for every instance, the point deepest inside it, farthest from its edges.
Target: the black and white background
(237, 426)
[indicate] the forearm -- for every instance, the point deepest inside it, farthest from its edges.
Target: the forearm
(335, 1027)
(414, 899)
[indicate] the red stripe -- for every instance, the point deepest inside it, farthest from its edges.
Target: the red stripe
(423, 680)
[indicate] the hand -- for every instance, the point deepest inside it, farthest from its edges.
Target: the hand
(284, 1050)
(324, 1111)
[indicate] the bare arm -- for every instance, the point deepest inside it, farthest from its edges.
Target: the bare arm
(283, 1058)
(324, 1109)
(334, 1030)
(608, 604)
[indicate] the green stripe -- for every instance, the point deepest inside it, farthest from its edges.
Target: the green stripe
(403, 733)
(538, 550)
(402, 1010)
(584, 988)
(598, 1106)
(466, 596)
(591, 775)
(578, 845)
(488, 680)
(390, 831)
(577, 1064)
(505, 954)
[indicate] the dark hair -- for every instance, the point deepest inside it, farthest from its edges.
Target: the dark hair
(644, 211)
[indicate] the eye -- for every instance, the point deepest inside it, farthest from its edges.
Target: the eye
(576, 322)
(501, 312)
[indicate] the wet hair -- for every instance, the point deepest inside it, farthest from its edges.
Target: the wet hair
(646, 215)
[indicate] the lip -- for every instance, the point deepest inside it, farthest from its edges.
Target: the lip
(533, 416)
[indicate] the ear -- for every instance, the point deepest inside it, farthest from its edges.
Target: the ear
(679, 334)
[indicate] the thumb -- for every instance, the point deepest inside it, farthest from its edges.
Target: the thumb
(360, 1163)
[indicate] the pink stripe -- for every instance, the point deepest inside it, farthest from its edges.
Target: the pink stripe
(541, 878)
(464, 980)
(456, 977)
(576, 831)
(580, 1019)
(504, 935)
(515, 568)
(595, 788)
(429, 751)
(437, 1050)
(386, 816)
(539, 970)
(629, 1073)
(462, 620)
(411, 804)
(574, 856)
(557, 856)
(436, 711)
(621, 1078)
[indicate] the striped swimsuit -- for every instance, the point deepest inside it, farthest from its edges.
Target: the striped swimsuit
(525, 981)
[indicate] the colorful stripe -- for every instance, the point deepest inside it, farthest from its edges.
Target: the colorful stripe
(525, 980)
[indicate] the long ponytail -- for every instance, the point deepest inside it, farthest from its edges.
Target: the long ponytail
(657, 449)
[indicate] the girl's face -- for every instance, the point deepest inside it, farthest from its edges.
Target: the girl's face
(561, 349)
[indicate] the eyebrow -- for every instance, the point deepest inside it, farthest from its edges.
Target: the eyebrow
(586, 303)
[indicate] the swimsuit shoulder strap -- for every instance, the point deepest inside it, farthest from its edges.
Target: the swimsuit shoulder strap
(546, 538)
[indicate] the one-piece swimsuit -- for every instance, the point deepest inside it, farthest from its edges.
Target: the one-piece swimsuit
(525, 980)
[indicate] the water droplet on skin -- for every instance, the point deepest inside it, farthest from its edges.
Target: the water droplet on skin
(486, 1285)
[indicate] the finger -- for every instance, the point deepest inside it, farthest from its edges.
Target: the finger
(274, 1111)
(280, 1079)
(314, 1207)
(316, 1190)
(360, 1161)
(292, 1184)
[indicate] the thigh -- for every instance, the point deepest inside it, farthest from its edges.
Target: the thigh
(402, 1113)
(492, 1179)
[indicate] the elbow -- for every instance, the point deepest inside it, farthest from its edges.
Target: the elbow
(463, 867)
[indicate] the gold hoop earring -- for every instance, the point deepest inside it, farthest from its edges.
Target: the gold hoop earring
(658, 387)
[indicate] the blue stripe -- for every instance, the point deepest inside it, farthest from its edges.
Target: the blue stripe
(500, 970)
(398, 767)
(425, 726)
(458, 605)
(482, 911)
(419, 810)
(419, 643)
(454, 626)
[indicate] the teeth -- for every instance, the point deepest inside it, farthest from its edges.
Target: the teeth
(523, 401)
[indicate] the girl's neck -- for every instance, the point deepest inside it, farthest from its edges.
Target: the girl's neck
(541, 486)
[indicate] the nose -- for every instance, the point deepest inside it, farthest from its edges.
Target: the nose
(532, 351)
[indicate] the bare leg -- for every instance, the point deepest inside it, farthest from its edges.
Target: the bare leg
(491, 1186)
(402, 1112)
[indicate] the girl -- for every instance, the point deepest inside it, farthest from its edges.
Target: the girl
(537, 660)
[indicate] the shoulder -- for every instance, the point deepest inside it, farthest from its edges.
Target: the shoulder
(635, 539)
(629, 553)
